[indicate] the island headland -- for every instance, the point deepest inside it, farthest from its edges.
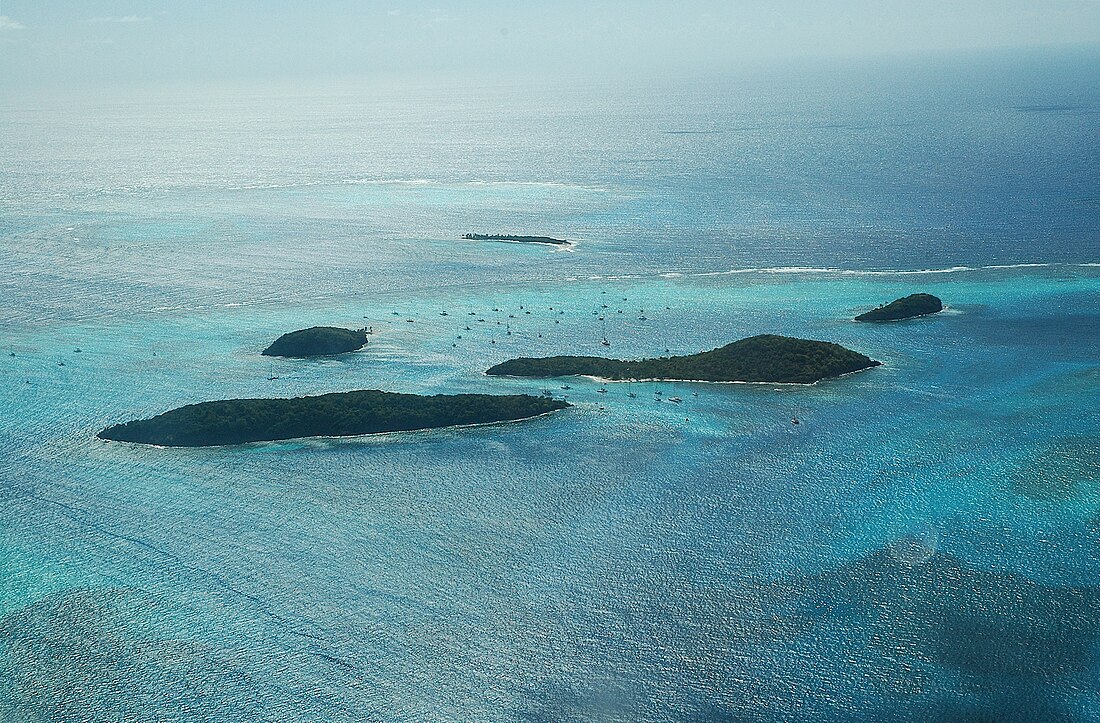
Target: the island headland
(763, 358)
(317, 341)
(904, 308)
(516, 239)
(339, 414)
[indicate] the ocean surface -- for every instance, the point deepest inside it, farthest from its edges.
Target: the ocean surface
(925, 545)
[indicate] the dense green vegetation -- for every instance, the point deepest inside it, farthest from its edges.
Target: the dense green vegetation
(764, 358)
(513, 237)
(317, 341)
(904, 308)
(235, 421)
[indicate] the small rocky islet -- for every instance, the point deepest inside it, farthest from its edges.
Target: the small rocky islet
(516, 238)
(907, 307)
(317, 341)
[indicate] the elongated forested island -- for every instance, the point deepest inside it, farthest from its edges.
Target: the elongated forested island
(317, 341)
(515, 238)
(340, 414)
(763, 358)
(904, 308)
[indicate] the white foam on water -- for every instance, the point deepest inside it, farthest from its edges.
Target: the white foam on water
(830, 270)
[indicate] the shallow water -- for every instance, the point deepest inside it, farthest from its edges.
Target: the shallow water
(922, 546)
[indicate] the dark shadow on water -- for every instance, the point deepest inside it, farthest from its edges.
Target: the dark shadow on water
(985, 624)
(906, 633)
(121, 654)
(1061, 470)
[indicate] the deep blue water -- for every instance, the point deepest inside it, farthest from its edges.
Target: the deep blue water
(924, 546)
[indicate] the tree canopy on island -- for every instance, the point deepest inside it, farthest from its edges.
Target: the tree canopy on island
(515, 238)
(236, 421)
(763, 358)
(317, 341)
(904, 308)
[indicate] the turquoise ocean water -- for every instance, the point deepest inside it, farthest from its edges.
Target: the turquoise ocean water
(925, 545)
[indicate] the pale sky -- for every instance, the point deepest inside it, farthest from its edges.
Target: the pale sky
(103, 42)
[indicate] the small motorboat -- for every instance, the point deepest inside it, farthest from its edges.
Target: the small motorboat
(675, 399)
(566, 386)
(632, 395)
(602, 390)
(794, 420)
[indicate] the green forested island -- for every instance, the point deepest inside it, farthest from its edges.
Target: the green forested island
(236, 421)
(515, 238)
(763, 358)
(317, 341)
(904, 308)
